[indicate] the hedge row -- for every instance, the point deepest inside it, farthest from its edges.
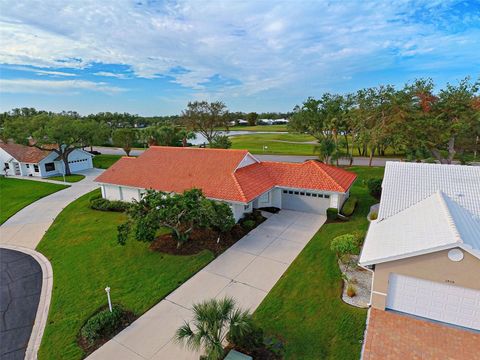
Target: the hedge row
(349, 206)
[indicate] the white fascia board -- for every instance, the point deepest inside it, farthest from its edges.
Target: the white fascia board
(141, 188)
(412, 254)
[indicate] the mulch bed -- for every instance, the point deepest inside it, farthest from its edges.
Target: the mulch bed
(203, 239)
(128, 318)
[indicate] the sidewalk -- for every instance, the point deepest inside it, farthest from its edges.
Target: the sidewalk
(26, 227)
(246, 272)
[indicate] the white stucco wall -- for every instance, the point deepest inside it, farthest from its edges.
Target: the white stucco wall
(239, 209)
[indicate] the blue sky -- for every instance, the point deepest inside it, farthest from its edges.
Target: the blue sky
(152, 57)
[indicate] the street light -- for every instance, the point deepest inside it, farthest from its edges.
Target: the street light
(107, 289)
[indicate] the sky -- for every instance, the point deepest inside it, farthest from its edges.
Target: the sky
(153, 57)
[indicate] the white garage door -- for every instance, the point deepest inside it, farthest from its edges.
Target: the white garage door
(79, 164)
(305, 201)
(433, 300)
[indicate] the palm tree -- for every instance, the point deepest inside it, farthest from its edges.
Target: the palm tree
(212, 322)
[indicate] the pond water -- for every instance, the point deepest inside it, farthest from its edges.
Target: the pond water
(200, 139)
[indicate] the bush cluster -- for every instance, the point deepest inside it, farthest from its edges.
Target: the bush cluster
(344, 244)
(248, 224)
(103, 324)
(375, 187)
(349, 206)
(332, 214)
(108, 205)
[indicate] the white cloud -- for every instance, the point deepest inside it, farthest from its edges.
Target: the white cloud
(42, 72)
(32, 86)
(263, 45)
(110, 74)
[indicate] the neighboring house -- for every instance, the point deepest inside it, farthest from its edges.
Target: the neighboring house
(424, 248)
(232, 176)
(21, 160)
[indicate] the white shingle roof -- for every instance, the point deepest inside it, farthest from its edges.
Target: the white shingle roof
(405, 184)
(421, 213)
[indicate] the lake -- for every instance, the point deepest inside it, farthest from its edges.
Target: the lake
(200, 139)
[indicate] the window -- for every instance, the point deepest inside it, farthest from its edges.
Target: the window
(320, 195)
(35, 167)
(28, 166)
(290, 192)
(7, 166)
(308, 194)
(50, 166)
(327, 196)
(285, 191)
(314, 195)
(246, 207)
(302, 193)
(296, 192)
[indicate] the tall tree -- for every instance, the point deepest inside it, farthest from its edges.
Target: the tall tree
(209, 119)
(124, 138)
(252, 118)
(59, 133)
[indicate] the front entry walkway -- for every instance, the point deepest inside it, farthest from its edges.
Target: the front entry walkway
(392, 336)
(247, 271)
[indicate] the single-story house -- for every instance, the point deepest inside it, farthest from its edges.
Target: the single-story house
(21, 160)
(424, 247)
(232, 176)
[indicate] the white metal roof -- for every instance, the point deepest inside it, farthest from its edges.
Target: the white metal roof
(425, 208)
(405, 184)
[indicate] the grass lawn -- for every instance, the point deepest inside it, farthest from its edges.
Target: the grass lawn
(276, 143)
(105, 161)
(18, 193)
(305, 307)
(82, 247)
(68, 178)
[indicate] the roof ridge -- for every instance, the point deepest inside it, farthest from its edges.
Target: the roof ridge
(239, 188)
(446, 209)
(317, 164)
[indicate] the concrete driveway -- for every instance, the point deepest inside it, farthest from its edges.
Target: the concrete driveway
(20, 288)
(26, 227)
(247, 272)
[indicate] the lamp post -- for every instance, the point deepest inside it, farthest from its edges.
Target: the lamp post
(107, 289)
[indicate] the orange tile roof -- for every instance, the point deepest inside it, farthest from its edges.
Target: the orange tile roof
(215, 171)
(27, 154)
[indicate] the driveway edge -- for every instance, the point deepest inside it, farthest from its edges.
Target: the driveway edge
(44, 302)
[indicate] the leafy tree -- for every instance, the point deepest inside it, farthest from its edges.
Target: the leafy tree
(59, 133)
(213, 321)
(221, 142)
(166, 135)
(181, 213)
(206, 118)
(445, 124)
(252, 118)
(124, 138)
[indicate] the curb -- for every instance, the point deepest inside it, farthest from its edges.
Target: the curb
(44, 302)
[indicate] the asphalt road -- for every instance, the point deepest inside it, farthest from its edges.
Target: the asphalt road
(360, 161)
(20, 288)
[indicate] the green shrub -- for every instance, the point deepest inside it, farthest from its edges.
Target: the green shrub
(344, 244)
(349, 206)
(222, 217)
(249, 340)
(103, 324)
(332, 214)
(248, 224)
(374, 215)
(375, 187)
(108, 205)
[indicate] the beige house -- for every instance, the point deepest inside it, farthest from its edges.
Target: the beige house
(424, 248)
